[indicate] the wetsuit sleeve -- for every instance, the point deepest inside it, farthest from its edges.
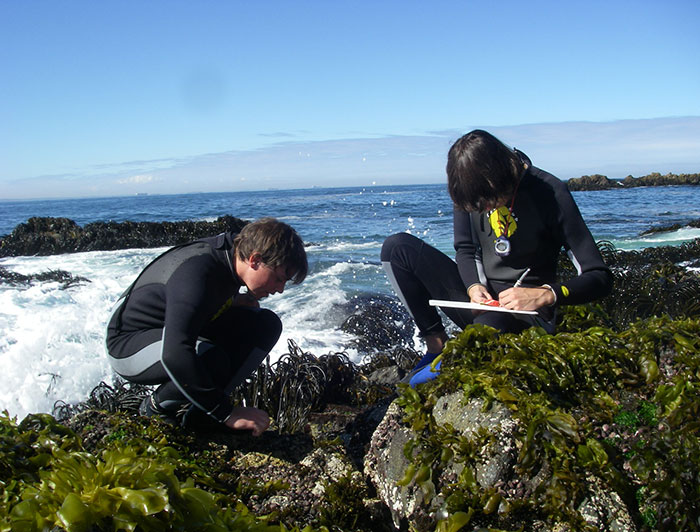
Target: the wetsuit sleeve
(594, 279)
(193, 294)
(468, 254)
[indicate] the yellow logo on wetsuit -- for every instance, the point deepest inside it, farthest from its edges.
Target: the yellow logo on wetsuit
(227, 305)
(502, 222)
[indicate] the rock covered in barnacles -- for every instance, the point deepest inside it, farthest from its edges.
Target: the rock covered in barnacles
(468, 418)
(495, 468)
(385, 465)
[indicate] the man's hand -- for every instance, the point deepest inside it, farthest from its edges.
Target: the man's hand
(519, 298)
(248, 418)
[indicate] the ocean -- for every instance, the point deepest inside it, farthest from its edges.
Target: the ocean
(52, 339)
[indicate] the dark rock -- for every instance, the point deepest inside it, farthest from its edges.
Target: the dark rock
(66, 279)
(591, 182)
(672, 227)
(655, 179)
(50, 236)
(379, 322)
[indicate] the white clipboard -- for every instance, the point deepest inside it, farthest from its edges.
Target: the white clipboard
(476, 306)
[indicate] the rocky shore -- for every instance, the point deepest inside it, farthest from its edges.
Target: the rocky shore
(50, 236)
(593, 428)
(601, 182)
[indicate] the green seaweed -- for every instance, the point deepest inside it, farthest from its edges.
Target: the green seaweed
(567, 390)
(129, 485)
(343, 504)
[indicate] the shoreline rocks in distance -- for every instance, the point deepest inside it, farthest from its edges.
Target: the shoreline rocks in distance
(51, 236)
(655, 179)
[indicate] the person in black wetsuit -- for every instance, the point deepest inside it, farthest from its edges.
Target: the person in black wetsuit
(185, 325)
(511, 220)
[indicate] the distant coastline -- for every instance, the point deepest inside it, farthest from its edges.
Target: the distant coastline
(655, 179)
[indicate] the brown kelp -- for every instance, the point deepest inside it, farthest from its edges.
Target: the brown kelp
(651, 282)
(300, 382)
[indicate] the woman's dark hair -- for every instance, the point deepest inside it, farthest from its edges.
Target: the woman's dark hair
(278, 245)
(481, 171)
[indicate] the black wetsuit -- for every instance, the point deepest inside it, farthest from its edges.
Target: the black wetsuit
(174, 326)
(544, 220)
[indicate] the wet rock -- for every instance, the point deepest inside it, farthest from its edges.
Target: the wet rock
(695, 224)
(379, 322)
(65, 279)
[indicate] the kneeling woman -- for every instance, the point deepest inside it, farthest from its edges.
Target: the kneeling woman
(511, 220)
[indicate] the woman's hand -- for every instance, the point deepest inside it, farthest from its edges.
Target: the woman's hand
(248, 418)
(519, 298)
(479, 294)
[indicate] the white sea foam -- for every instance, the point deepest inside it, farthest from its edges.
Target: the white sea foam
(52, 345)
(668, 238)
(352, 246)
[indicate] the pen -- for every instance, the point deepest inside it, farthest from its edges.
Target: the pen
(520, 279)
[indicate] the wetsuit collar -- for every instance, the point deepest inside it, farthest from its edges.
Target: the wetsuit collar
(224, 243)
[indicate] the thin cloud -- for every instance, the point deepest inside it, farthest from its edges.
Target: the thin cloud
(278, 134)
(138, 180)
(568, 149)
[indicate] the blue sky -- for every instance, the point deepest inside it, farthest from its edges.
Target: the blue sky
(118, 97)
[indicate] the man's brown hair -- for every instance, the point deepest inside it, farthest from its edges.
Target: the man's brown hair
(278, 245)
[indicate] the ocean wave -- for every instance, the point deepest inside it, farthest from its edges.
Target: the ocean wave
(53, 343)
(351, 246)
(670, 238)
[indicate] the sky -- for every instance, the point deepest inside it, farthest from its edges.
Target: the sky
(123, 97)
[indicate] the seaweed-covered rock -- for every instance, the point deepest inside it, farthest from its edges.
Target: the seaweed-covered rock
(591, 430)
(587, 430)
(65, 279)
(50, 236)
(655, 179)
(419, 501)
(379, 322)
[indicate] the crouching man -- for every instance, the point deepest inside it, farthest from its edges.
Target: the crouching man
(185, 325)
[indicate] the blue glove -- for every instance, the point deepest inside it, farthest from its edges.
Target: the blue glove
(427, 359)
(424, 375)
